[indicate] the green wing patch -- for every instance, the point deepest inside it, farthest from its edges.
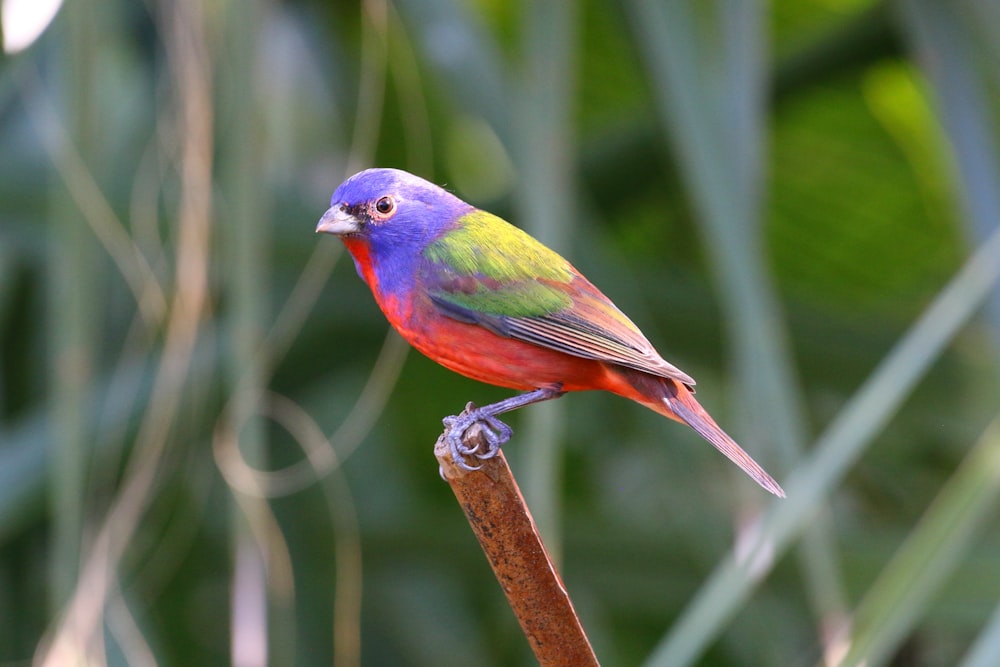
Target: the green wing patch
(490, 246)
(522, 299)
(486, 265)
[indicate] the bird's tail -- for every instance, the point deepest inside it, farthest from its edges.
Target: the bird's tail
(677, 402)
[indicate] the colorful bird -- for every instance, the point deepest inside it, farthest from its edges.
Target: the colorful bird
(484, 299)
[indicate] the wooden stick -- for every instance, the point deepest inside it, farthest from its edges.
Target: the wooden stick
(499, 517)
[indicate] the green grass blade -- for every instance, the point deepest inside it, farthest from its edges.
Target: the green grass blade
(901, 594)
(948, 58)
(260, 634)
(465, 55)
(544, 157)
(74, 270)
(985, 652)
(720, 139)
(843, 441)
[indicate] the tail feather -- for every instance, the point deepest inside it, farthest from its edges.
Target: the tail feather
(686, 408)
(676, 401)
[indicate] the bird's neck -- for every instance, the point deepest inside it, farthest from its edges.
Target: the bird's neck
(390, 282)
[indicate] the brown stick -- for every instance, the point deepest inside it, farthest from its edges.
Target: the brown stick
(499, 517)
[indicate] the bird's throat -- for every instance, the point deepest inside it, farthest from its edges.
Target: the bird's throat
(361, 253)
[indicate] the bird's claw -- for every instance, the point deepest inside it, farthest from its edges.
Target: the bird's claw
(495, 432)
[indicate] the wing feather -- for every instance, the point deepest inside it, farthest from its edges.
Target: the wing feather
(565, 333)
(490, 273)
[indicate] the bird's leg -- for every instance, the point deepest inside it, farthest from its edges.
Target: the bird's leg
(496, 432)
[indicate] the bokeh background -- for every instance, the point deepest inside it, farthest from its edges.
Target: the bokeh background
(212, 451)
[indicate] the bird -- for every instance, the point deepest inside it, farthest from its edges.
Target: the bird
(485, 299)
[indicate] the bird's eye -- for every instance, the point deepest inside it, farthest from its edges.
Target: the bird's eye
(385, 206)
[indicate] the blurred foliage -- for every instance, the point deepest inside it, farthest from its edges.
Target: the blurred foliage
(170, 327)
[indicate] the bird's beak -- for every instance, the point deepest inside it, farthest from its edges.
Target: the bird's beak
(338, 221)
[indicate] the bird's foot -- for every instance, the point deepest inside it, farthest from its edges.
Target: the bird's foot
(495, 434)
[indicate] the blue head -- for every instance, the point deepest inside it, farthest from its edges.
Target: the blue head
(391, 208)
(395, 215)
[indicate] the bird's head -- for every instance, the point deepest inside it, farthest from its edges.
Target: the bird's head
(390, 209)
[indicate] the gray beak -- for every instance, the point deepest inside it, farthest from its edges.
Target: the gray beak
(338, 221)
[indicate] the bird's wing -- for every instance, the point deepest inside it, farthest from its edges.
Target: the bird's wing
(490, 273)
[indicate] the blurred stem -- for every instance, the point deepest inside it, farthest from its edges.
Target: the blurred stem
(962, 98)
(371, 84)
(246, 232)
(544, 138)
(932, 551)
(472, 68)
(348, 568)
(412, 89)
(851, 431)
(718, 128)
(81, 623)
(985, 651)
(74, 310)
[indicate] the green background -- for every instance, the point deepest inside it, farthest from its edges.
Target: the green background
(796, 201)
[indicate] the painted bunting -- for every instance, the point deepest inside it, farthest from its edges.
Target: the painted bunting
(483, 298)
